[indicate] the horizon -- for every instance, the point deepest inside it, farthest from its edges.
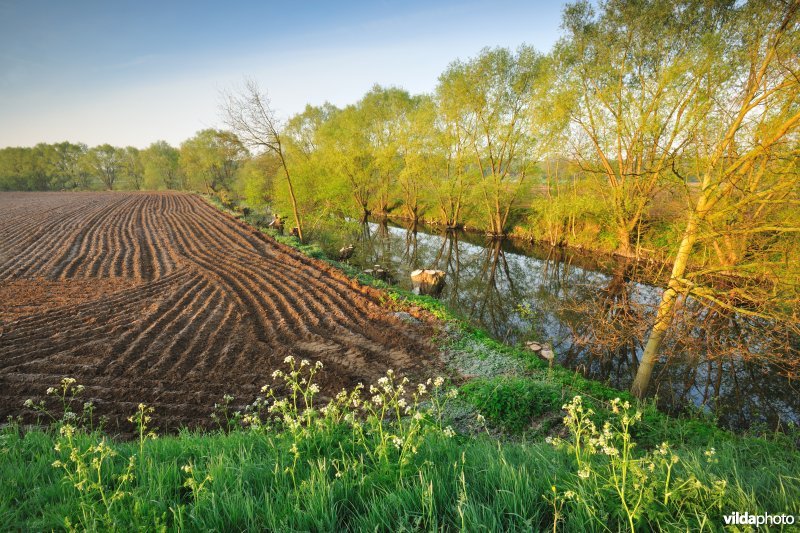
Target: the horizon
(134, 74)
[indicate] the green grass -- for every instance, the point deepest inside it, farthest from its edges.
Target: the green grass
(512, 402)
(250, 479)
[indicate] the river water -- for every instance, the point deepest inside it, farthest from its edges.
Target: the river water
(594, 311)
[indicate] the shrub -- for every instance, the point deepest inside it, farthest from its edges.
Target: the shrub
(512, 402)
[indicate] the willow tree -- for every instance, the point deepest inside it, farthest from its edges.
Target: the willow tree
(487, 100)
(636, 79)
(161, 167)
(451, 176)
(211, 159)
(106, 161)
(70, 173)
(422, 162)
(385, 112)
(249, 115)
(346, 156)
(320, 189)
(746, 162)
(133, 167)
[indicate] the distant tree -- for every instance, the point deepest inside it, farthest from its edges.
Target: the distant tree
(211, 158)
(106, 161)
(132, 166)
(250, 117)
(161, 167)
(15, 166)
(69, 172)
(255, 179)
(347, 157)
(320, 191)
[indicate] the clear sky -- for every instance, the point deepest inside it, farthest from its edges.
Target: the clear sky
(132, 72)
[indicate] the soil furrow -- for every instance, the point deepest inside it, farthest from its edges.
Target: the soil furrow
(159, 298)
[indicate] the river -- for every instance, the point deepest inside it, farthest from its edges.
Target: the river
(594, 311)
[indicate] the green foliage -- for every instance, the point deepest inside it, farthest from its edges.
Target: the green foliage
(210, 160)
(161, 167)
(488, 100)
(45, 167)
(512, 402)
(570, 218)
(255, 178)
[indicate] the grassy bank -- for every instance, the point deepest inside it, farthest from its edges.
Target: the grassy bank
(518, 445)
(387, 458)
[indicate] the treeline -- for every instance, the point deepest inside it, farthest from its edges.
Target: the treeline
(211, 161)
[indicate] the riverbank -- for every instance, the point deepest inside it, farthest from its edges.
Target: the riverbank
(523, 235)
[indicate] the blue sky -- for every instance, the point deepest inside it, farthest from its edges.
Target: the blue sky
(130, 73)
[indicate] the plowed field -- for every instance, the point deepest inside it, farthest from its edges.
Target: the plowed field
(159, 298)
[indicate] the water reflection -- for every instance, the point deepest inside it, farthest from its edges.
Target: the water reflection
(595, 313)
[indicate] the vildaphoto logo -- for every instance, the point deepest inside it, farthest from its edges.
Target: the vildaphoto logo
(747, 519)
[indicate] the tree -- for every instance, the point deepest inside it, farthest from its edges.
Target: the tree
(132, 166)
(746, 157)
(636, 82)
(385, 115)
(161, 167)
(70, 172)
(451, 177)
(487, 99)
(346, 156)
(211, 159)
(419, 151)
(106, 161)
(319, 185)
(251, 118)
(254, 179)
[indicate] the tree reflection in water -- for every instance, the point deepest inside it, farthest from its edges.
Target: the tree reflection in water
(596, 314)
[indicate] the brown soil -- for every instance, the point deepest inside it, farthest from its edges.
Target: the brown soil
(159, 298)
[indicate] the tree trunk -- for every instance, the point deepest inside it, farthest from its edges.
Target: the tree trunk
(624, 246)
(299, 225)
(666, 309)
